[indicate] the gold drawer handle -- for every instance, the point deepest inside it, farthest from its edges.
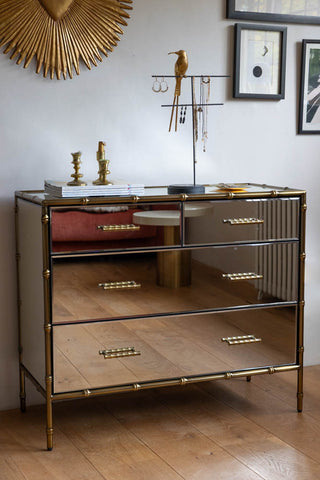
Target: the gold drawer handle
(119, 352)
(119, 285)
(243, 221)
(240, 340)
(242, 276)
(114, 228)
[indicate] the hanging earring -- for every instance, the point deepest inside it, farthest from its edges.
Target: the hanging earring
(163, 86)
(156, 87)
(181, 114)
(184, 115)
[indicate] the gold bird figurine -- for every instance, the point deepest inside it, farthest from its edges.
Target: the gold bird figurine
(180, 68)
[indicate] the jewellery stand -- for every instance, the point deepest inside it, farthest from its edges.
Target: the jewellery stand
(194, 187)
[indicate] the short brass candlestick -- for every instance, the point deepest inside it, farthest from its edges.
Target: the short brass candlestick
(76, 175)
(103, 166)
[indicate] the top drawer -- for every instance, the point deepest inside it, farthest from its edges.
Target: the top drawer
(115, 227)
(243, 221)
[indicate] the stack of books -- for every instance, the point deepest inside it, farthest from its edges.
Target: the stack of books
(63, 190)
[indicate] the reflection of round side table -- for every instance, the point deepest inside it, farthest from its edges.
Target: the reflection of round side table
(173, 267)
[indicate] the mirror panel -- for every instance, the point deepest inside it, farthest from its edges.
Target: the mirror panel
(241, 221)
(131, 285)
(115, 227)
(159, 348)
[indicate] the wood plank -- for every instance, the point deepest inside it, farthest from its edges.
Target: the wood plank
(219, 430)
(253, 445)
(191, 453)
(22, 438)
(114, 451)
(284, 388)
(279, 417)
(9, 470)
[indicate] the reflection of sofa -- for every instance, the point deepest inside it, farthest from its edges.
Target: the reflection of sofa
(77, 230)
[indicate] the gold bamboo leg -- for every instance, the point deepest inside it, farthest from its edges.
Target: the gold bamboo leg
(47, 325)
(49, 415)
(300, 390)
(22, 390)
(300, 371)
(303, 209)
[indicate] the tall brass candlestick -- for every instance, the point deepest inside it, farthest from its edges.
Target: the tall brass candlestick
(103, 166)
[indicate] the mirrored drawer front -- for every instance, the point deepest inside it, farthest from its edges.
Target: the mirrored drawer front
(115, 227)
(243, 220)
(128, 285)
(132, 351)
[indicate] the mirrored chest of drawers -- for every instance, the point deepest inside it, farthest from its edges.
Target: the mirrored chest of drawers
(121, 294)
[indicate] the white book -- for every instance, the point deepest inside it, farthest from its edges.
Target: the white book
(62, 189)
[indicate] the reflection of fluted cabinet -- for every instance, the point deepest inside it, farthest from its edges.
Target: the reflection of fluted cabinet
(98, 313)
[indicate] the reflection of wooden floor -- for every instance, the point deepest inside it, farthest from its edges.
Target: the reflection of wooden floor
(172, 347)
(76, 295)
(216, 430)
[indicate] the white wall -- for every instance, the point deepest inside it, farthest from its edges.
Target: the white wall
(42, 121)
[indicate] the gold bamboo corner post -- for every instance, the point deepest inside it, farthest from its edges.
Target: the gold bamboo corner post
(180, 68)
(60, 33)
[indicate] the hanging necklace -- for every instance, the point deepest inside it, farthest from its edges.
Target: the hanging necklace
(203, 113)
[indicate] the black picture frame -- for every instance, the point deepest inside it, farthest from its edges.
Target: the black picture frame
(236, 13)
(259, 61)
(309, 111)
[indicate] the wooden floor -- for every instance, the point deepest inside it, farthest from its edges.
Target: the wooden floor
(220, 430)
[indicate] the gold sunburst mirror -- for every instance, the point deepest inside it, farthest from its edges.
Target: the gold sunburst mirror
(61, 32)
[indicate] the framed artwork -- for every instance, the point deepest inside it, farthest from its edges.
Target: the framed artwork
(259, 61)
(309, 114)
(284, 11)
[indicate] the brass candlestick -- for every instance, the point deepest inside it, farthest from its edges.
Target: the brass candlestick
(103, 166)
(76, 175)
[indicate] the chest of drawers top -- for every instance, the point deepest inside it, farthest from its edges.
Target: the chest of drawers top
(254, 213)
(159, 194)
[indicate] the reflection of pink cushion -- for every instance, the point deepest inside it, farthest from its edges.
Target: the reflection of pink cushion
(81, 226)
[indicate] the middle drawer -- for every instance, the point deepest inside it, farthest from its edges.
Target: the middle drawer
(143, 284)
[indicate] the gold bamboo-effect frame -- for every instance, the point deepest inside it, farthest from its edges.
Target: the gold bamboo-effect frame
(48, 392)
(60, 33)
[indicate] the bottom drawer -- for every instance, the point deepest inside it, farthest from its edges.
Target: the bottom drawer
(93, 355)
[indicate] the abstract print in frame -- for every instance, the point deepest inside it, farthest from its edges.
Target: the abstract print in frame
(259, 61)
(309, 114)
